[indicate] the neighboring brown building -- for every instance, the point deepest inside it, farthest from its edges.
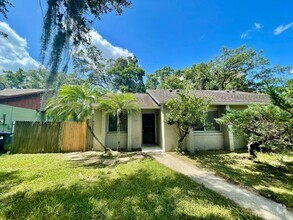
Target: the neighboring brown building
(24, 98)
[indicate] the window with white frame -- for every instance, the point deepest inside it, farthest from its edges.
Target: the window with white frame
(112, 123)
(209, 123)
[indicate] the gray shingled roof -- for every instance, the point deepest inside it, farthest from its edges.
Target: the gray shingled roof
(218, 97)
(9, 93)
(145, 101)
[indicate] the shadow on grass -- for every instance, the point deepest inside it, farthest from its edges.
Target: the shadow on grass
(136, 196)
(8, 180)
(107, 161)
(269, 180)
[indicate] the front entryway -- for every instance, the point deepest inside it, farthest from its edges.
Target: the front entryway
(148, 129)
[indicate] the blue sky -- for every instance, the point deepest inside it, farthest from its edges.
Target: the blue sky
(172, 32)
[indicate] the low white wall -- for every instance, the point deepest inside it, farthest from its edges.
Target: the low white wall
(239, 142)
(189, 142)
(112, 140)
(207, 141)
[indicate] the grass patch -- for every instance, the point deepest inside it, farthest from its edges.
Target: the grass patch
(271, 175)
(52, 187)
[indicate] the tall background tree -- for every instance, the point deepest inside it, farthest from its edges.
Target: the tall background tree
(20, 79)
(242, 69)
(66, 27)
(36, 79)
(90, 64)
(283, 96)
(268, 126)
(126, 75)
(67, 24)
(122, 74)
(156, 79)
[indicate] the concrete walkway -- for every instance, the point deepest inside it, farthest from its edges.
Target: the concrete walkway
(259, 205)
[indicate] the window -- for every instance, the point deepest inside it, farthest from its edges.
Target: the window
(112, 123)
(210, 123)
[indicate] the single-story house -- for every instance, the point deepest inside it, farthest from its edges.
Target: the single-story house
(148, 128)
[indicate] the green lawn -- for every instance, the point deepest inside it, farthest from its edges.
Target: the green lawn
(52, 187)
(269, 175)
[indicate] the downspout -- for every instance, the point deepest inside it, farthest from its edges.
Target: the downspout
(163, 128)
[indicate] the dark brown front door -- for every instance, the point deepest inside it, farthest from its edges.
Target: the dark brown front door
(148, 129)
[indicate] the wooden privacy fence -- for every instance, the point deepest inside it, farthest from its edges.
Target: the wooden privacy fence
(45, 137)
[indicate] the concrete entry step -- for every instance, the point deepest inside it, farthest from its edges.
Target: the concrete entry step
(151, 149)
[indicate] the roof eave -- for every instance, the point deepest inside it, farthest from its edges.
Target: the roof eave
(23, 94)
(153, 98)
(234, 103)
(157, 107)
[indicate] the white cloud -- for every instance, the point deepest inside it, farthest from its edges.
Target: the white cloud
(14, 54)
(13, 51)
(108, 50)
(280, 29)
(257, 27)
(244, 35)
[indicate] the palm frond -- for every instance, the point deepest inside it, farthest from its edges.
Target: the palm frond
(73, 102)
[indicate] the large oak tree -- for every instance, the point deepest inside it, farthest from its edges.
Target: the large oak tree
(66, 27)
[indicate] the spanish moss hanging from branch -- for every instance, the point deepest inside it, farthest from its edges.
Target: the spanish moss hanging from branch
(68, 22)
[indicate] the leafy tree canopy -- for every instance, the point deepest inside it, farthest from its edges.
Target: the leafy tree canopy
(269, 126)
(126, 75)
(185, 112)
(3, 7)
(283, 97)
(234, 69)
(66, 26)
(91, 65)
(20, 79)
(122, 74)
(71, 20)
(4, 11)
(75, 102)
(156, 80)
(36, 79)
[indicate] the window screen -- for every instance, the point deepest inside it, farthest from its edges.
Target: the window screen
(112, 123)
(210, 123)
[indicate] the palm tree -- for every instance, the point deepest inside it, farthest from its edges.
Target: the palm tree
(75, 102)
(118, 105)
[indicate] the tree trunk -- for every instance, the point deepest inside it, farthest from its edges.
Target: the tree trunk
(181, 138)
(252, 148)
(92, 132)
(118, 132)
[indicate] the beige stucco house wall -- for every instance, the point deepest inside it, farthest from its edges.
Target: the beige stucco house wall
(166, 136)
(205, 140)
(133, 138)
